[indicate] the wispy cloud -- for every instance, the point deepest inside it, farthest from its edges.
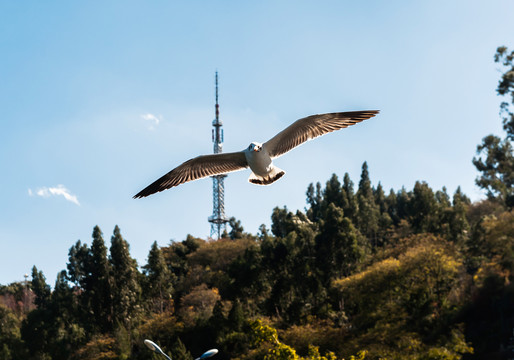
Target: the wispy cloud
(55, 191)
(152, 119)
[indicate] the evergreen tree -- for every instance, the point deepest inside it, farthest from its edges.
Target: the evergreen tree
(497, 168)
(368, 213)
(236, 316)
(237, 229)
(180, 352)
(97, 295)
(506, 88)
(282, 222)
(338, 249)
(392, 207)
(332, 193)
(314, 199)
(403, 204)
(423, 209)
(158, 282)
(11, 345)
(459, 226)
(384, 220)
(78, 256)
(66, 334)
(40, 288)
(37, 328)
(125, 282)
(497, 164)
(350, 206)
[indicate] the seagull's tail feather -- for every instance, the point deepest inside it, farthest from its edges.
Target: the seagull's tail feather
(270, 178)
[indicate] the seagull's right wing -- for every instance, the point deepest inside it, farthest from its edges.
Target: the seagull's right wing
(311, 127)
(197, 168)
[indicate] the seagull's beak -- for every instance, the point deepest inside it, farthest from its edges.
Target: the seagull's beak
(255, 148)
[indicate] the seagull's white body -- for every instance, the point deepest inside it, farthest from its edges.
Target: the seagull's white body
(258, 157)
(259, 161)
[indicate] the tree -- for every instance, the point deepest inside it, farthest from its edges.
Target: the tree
(237, 229)
(11, 345)
(497, 168)
(506, 87)
(338, 247)
(282, 222)
(180, 352)
(332, 193)
(384, 220)
(40, 287)
(403, 307)
(126, 290)
(423, 209)
(497, 163)
(314, 199)
(350, 200)
(368, 213)
(78, 256)
(158, 284)
(97, 295)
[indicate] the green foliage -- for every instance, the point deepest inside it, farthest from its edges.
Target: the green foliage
(497, 163)
(124, 280)
(506, 87)
(414, 274)
(40, 287)
(237, 229)
(11, 346)
(497, 169)
(158, 281)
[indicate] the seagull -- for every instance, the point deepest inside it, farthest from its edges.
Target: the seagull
(258, 157)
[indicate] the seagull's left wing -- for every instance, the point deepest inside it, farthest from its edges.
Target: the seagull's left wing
(311, 127)
(197, 168)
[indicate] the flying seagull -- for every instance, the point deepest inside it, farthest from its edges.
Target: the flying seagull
(258, 157)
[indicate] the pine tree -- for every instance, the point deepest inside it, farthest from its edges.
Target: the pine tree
(368, 212)
(392, 207)
(282, 222)
(236, 316)
(459, 226)
(158, 282)
(314, 199)
(332, 193)
(350, 206)
(497, 165)
(97, 296)
(180, 352)
(66, 332)
(125, 282)
(338, 249)
(237, 229)
(40, 288)
(423, 209)
(384, 220)
(78, 256)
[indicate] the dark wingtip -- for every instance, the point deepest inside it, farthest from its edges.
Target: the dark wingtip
(141, 194)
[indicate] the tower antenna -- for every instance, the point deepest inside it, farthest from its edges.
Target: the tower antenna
(218, 219)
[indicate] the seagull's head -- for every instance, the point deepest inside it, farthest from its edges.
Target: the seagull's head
(255, 146)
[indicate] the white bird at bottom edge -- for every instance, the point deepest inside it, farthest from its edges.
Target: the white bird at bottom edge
(258, 157)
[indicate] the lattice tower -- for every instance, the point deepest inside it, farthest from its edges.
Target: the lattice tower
(218, 219)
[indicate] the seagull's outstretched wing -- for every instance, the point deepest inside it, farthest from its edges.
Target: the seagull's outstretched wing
(311, 127)
(197, 168)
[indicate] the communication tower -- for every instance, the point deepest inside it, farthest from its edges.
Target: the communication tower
(218, 219)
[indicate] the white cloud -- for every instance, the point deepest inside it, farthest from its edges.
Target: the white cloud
(54, 191)
(154, 120)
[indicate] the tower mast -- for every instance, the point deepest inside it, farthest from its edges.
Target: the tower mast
(218, 219)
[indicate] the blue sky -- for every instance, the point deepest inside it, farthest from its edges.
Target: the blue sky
(99, 99)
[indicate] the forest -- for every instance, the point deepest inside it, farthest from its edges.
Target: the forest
(360, 273)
